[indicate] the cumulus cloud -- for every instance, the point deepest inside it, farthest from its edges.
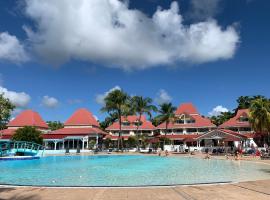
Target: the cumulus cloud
(163, 97)
(204, 9)
(109, 32)
(100, 97)
(19, 99)
(49, 102)
(11, 49)
(218, 110)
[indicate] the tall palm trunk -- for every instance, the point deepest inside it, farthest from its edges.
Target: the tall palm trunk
(137, 130)
(120, 131)
(166, 129)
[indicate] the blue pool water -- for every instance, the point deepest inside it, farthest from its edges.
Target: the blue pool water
(127, 170)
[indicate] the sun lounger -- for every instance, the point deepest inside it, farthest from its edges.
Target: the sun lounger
(67, 151)
(265, 157)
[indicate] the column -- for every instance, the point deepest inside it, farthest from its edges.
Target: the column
(63, 147)
(83, 144)
(55, 144)
(73, 144)
(87, 142)
(96, 141)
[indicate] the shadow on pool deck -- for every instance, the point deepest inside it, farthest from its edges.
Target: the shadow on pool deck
(14, 194)
(246, 190)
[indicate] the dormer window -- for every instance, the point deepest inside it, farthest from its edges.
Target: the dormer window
(243, 119)
(137, 123)
(184, 119)
(126, 123)
(179, 121)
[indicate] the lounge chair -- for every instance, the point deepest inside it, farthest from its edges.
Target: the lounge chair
(265, 157)
(67, 151)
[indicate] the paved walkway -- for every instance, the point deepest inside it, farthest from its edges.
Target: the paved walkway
(247, 190)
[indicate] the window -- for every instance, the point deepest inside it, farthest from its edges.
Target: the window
(243, 119)
(125, 123)
(137, 123)
(191, 130)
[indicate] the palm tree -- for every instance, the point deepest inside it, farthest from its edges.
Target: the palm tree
(166, 111)
(117, 102)
(259, 116)
(142, 106)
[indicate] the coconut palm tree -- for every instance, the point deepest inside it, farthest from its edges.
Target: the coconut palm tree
(142, 106)
(259, 116)
(166, 114)
(117, 102)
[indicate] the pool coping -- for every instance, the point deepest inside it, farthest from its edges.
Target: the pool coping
(121, 187)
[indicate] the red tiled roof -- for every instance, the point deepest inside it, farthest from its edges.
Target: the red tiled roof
(53, 136)
(78, 131)
(234, 121)
(230, 135)
(133, 118)
(146, 125)
(187, 108)
(8, 131)
(6, 137)
(82, 117)
(28, 118)
(200, 122)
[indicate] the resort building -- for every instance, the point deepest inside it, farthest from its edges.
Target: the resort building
(78, 130)
(25, 118)
(190, 130)
(187, 126)
(239, 123)
(130, 126)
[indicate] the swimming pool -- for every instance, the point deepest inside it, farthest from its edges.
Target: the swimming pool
(127, 170)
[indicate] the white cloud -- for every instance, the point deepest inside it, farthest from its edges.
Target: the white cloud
(109, 32)
(163, 97)
(19, 99)
(218, 110)
(204, 9)
(100, 97)
(11, 49)
(49, 102)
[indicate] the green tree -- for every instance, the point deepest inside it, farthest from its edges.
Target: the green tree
(54, 125)
(28, 134)
(142, 106)
(223, 117)
(166, 114)
(259, 116)
(107, 143)
(117, 102)
(244, 102)
(132, 141)
(108, 120)
(6, 107)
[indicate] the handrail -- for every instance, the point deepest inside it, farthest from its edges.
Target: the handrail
(20, 145)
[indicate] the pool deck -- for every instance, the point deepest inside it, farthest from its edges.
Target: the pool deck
(244, 190)
(247, 190)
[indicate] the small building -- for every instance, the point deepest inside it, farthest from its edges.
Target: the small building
(25, 118)
(187, 125)
(78, 130)
(240, 124)
(130, 127)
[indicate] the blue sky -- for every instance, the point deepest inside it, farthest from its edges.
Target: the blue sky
(45, 68)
